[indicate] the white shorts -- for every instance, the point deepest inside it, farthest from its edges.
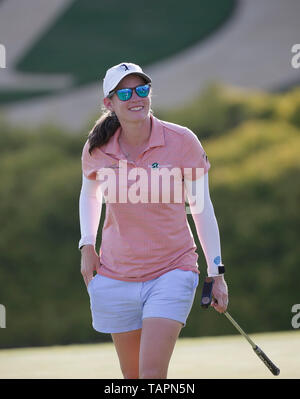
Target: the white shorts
(120, 306)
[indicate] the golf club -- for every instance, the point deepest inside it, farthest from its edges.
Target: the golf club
(206, 299)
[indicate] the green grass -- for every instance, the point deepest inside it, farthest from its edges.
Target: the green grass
(198, 358)
(91, 36)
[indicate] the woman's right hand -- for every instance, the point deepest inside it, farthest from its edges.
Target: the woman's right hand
(90, 261)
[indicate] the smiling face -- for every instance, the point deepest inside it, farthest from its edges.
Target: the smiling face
(136, 109)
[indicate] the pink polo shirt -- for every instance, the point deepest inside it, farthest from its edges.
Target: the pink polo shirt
(146, 232)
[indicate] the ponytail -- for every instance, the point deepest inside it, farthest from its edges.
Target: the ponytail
(104, 128)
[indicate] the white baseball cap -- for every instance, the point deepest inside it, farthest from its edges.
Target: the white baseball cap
(115, 74)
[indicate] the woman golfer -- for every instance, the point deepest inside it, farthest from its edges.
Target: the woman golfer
(147, 273)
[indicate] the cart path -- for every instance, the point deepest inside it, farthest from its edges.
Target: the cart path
(21, 24)
(251, 50)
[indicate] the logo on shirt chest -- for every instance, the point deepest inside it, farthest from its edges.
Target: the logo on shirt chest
(156, 165)
(112, 166)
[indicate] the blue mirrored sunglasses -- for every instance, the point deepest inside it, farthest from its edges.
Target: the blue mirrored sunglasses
(126, 94)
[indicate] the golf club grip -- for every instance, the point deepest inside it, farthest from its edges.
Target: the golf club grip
(271, 366)
(206, 296)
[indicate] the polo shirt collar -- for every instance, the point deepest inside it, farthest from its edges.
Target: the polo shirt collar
(156, 139)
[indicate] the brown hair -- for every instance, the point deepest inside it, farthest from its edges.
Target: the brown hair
(104, 128)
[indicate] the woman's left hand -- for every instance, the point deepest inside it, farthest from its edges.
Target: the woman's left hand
(220, 294)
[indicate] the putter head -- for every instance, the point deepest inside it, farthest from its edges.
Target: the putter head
(206, 296)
